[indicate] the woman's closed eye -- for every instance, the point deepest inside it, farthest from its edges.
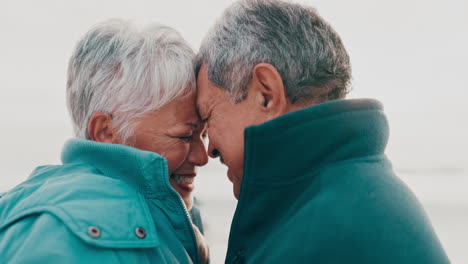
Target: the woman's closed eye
(186, 138)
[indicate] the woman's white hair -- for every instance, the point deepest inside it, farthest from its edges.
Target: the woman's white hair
(126, 72)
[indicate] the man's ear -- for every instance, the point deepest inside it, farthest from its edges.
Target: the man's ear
(270, 93)
(101, 129)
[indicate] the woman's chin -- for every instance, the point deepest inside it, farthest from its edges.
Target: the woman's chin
(185, 191)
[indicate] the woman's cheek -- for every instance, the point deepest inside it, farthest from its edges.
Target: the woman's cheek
(176, 156)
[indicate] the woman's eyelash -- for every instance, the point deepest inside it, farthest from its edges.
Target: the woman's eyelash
(186, 138)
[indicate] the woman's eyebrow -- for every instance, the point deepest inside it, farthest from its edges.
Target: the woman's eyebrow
(195, 125)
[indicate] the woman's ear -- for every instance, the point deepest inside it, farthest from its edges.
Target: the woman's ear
(101, 129)
(270, 93)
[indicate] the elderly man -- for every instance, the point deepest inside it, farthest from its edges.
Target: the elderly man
(308, 168)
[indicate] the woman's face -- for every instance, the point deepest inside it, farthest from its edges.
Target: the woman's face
(183, 177)
(175, 132)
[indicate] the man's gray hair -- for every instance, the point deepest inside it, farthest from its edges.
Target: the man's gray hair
(126, 72)
(306, 51)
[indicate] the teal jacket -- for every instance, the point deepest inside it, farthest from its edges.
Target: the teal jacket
(318, 188)
(106, 204)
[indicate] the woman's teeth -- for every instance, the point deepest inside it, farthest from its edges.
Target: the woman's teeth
(182, 179)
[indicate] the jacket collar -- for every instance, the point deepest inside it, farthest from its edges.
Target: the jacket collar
(143, 170)
(283, 158)
(281, 149)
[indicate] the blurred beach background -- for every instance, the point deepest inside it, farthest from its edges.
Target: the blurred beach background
(411, 55)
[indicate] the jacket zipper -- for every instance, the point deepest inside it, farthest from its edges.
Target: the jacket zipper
(187, 220)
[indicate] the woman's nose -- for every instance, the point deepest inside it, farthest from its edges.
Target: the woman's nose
(198, 155)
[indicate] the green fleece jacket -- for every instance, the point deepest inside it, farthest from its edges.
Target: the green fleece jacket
(318, 188)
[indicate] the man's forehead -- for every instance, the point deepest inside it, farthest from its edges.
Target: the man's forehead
(204, 90)
(202, 80)
(204, 106)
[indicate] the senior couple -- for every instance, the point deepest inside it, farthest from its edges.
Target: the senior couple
(267, 88)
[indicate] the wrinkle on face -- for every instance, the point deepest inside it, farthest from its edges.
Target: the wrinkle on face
(226, 124)
(162, 131)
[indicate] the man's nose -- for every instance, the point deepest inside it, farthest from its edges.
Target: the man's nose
(212, 151)
(198, 155)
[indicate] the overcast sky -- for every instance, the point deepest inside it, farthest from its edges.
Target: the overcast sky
(411, 55)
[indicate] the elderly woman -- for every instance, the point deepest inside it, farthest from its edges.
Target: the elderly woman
(125, 187)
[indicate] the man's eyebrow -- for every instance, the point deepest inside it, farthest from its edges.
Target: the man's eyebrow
(201, 111)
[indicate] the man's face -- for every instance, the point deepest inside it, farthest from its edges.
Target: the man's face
(226, 124)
